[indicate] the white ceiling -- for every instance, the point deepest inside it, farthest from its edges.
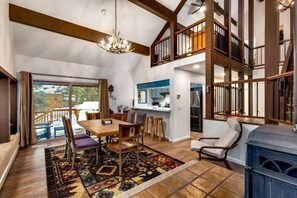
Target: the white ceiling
(134, 23)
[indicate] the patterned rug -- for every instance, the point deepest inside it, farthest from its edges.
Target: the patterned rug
(90, 180)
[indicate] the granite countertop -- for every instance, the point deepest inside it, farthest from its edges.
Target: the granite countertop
(160, 109)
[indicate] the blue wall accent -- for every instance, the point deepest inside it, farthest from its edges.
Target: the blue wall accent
(161, 83)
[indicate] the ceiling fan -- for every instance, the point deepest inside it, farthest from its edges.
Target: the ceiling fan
(200, 5)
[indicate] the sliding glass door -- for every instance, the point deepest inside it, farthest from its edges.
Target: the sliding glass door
(54, 100)
(84, 99)
(50, 104)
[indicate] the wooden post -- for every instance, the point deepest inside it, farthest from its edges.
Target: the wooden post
(173, 44)
(295, 63)
(227, 24)
(271, 53)
(241, 30)
(251, 55)
(227, 96)
(209, 63)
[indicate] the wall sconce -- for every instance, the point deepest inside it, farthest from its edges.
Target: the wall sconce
(110, 89)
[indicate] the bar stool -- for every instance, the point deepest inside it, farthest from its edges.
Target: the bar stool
(158, 128)
(148, 125)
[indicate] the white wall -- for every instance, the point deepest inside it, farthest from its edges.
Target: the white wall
(144, 73)
(121, 80)
(214, 128)
(7, 49)
(181, 108)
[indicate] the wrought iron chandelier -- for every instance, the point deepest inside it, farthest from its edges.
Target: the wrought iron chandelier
(114, 44)
(285, 4)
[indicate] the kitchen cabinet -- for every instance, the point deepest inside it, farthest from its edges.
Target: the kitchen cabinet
(158, 93)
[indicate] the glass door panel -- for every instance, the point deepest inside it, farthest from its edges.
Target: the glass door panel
(50, 104)
(84, 99)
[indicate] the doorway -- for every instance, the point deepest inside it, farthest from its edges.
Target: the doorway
(196, 107)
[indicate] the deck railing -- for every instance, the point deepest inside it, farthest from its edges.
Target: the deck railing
(53, 115)
(283, 48)
(191, 40)
(242, 97)
(283, 109)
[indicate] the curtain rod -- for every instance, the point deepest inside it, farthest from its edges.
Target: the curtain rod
(54, 75)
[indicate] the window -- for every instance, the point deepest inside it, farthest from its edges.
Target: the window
(53, 100)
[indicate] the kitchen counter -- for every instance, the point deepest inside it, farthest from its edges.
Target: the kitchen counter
(160, 109)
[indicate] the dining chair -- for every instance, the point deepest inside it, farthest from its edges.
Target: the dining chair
(78, 136)
(93, 115)
(140, 118)
(128, 143)
(131, 117)
(77, 145)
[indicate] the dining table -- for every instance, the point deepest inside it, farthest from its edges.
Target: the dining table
(97, 128)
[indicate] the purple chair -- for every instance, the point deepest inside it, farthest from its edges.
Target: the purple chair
(78, 136)
(140, 118)
(79, 144)
(131, 117)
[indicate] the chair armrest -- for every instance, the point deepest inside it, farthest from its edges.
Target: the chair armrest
(217, 147)
(208, 138)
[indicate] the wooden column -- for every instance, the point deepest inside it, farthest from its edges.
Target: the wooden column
(227, 93)
(241, 29)
(5, 110)
(251, 56)
(227, 23)
(209, 63)
(271, 52)
(173, 44)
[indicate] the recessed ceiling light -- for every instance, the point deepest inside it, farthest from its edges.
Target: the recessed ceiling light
(196, 66)
(103, 12)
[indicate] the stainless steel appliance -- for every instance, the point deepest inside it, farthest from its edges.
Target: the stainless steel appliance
(196, 109)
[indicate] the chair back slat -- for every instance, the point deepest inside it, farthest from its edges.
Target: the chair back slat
(65, 126)
(129, 132)
(140, 117)
(70, 131)
(131, 117)
(93, 115)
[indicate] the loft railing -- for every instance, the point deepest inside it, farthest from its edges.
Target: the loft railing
(259, 53)
(283, 48)
(247, 51)
(283, 109)
(259, 56)
(161, 51)
(221, 39)
(191, 40)
(235, 47)
(240, 98)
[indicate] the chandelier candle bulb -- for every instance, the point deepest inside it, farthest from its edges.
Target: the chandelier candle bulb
(115, 45)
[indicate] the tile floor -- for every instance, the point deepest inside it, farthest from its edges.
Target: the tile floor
(203, 179)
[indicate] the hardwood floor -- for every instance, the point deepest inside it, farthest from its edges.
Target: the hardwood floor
(27, 177)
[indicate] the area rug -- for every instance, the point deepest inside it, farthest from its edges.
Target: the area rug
(90, 180)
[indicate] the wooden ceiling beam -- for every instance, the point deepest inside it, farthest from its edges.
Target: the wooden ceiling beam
(35, 19)
(156, 8)
(166, 26)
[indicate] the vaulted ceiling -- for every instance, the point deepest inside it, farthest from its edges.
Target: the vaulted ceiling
(134, 23)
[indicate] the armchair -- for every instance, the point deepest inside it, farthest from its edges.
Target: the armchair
(218, 148)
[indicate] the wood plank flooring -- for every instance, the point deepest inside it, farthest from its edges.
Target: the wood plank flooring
(27, 177)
